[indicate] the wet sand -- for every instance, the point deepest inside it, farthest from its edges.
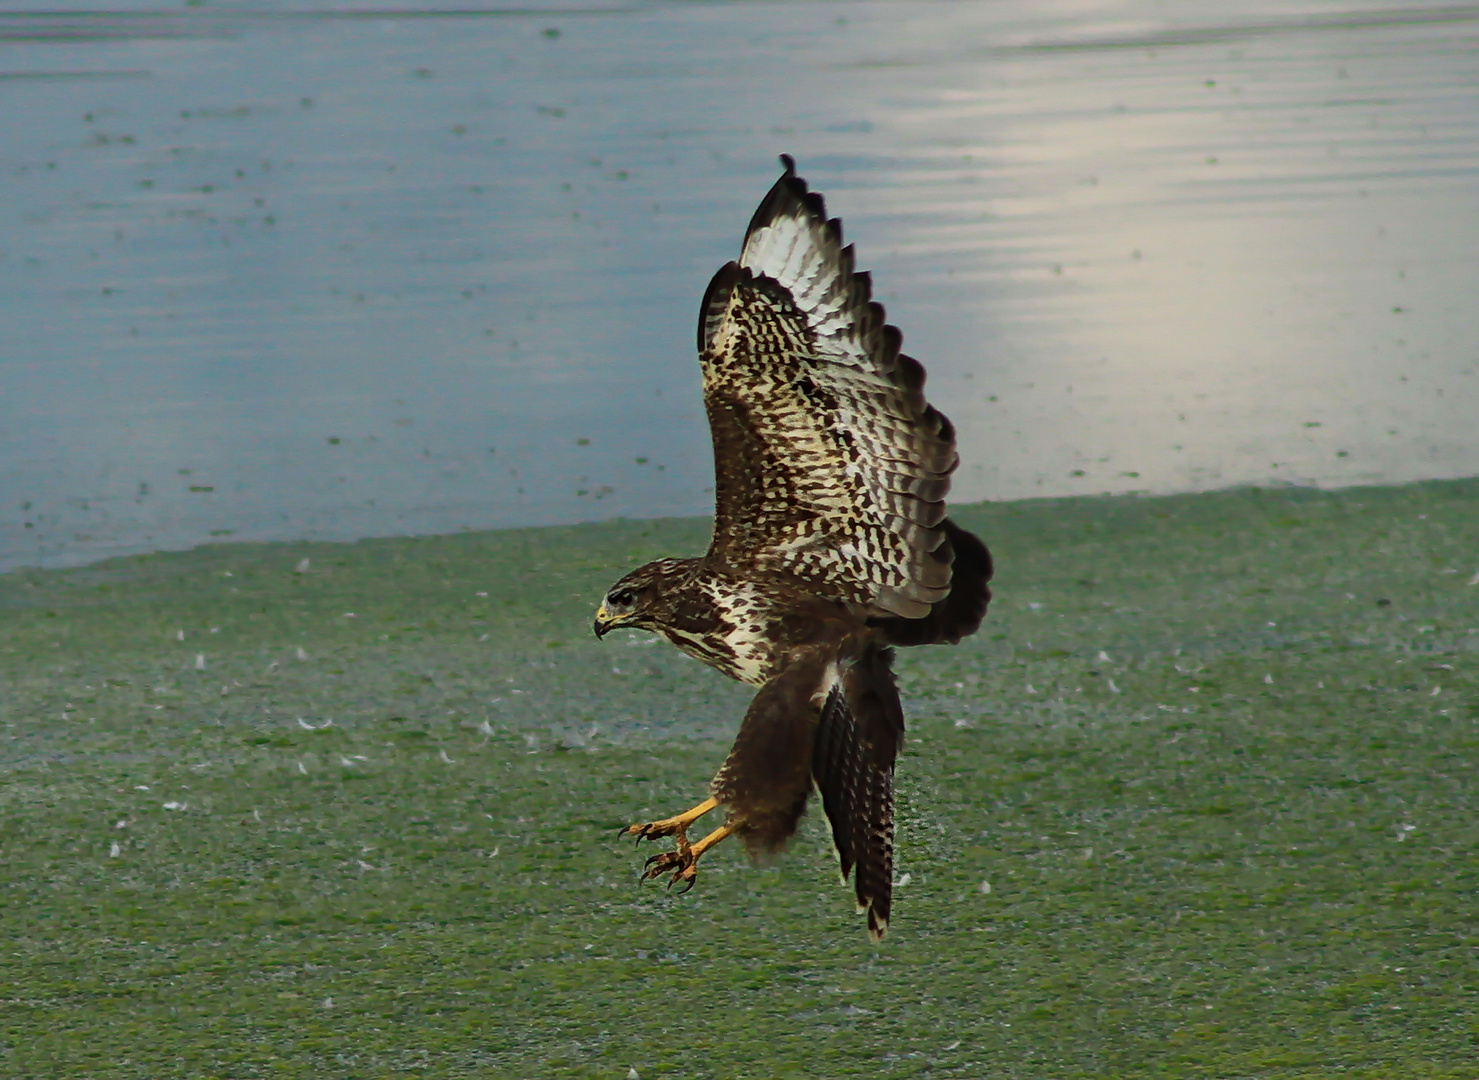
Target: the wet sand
(275, 275)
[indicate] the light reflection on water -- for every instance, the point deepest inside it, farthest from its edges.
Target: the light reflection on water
(268, 276)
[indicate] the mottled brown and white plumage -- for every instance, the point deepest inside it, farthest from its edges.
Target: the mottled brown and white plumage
(830, 545)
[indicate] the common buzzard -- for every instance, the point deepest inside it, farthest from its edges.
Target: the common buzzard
(830, 546)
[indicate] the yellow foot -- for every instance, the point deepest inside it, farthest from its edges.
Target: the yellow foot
(682, 864)
(673, 826)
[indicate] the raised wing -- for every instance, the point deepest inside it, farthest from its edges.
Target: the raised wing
(829, 464)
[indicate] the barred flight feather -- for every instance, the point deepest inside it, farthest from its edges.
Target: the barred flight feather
(823, 439)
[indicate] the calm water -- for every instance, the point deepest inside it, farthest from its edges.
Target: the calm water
(279, 272)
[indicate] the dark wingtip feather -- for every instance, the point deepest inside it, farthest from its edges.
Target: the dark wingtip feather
(786, 195)
(946, 429)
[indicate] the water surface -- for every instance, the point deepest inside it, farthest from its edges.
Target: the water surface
(283, 270)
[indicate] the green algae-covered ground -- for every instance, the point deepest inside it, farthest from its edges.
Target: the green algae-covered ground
(1199, 801)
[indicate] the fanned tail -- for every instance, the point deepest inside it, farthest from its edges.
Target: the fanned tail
(960, 613)
(857, 741)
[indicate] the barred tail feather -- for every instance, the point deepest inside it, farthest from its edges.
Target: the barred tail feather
(858, 737)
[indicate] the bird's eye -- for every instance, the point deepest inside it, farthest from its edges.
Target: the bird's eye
(622, 598)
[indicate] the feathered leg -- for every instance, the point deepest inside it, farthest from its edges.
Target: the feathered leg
(764, 782)
(766, 779)
(858, 738)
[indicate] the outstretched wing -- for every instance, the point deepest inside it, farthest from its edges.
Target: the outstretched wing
(830, 466)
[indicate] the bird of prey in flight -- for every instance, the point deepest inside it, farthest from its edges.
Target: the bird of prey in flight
(831, 546)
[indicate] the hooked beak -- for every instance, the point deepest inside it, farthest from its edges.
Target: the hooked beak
(603, 621)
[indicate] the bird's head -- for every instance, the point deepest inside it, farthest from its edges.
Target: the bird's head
(633, 599)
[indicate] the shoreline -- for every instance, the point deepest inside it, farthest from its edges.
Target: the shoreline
(967, 507)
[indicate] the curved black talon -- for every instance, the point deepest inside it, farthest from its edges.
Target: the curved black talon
(666, 862)
(687, 884)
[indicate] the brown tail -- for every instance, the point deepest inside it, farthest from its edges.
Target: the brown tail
(858, 738)
(961, 612)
